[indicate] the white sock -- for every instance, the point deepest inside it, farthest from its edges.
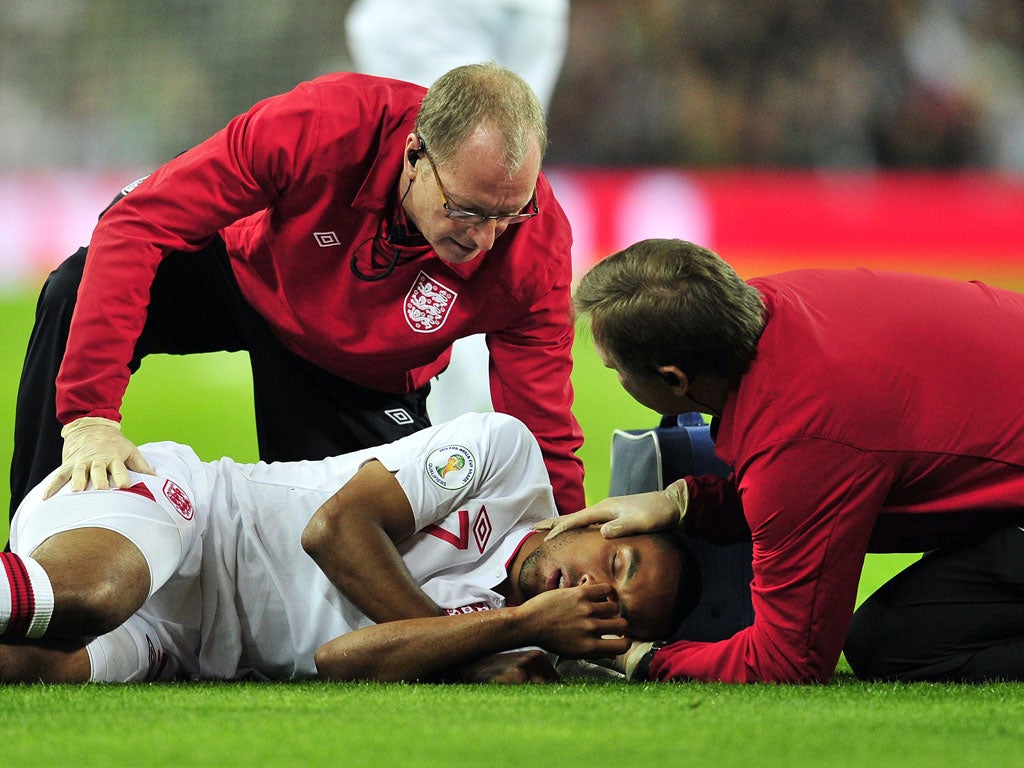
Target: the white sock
(26, 597)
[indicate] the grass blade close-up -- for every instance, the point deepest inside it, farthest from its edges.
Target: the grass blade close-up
(583, 725)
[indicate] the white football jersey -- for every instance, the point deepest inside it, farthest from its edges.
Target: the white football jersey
(247, 600)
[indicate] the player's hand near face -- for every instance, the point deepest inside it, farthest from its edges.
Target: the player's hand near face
(577, 622)
(626, 515)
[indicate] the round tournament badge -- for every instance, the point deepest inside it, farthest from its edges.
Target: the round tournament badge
(451, 467)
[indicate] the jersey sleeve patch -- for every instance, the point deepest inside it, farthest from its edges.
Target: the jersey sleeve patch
(451, 468)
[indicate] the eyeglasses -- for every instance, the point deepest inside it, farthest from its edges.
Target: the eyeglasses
(468, 217)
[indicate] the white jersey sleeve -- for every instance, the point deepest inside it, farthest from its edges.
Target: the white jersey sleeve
(478, 455)
(475, 485)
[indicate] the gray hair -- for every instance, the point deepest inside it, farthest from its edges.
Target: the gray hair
(482, 94)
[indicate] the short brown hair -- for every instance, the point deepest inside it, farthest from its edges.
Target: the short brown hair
(670, 302)
(465, 97)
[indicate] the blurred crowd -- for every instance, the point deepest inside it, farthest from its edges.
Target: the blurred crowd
(788, 83)
(801, 83)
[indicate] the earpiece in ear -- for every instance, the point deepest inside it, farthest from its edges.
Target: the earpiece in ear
(670, 378)
(414, 155)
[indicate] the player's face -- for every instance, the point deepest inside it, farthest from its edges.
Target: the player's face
(475, 181)
(642, 571)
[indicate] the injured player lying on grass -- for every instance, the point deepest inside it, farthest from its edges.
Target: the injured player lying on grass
(411, 561)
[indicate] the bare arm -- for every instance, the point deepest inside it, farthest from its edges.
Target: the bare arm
(352, 538)
(576, 622)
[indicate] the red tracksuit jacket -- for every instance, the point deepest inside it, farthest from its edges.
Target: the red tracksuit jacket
(883, 413)
(296, 186)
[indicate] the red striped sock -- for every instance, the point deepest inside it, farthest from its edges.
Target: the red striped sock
(26, 597)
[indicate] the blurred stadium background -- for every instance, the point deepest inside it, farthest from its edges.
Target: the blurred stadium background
(781, 133)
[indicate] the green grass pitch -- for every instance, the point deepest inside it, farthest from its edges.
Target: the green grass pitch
(206, 401)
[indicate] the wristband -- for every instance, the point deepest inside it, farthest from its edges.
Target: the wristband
(642, 670)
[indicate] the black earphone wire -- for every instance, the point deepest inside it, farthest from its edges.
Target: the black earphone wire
(395, 231)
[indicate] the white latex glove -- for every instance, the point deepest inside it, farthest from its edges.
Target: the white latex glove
(627, 515)
(94, 448)
(626, 663)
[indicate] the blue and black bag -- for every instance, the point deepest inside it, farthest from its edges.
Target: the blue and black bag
(649, 460)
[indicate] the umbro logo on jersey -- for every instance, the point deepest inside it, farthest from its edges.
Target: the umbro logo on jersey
(326, 239)
(398, 415)
(482, 529)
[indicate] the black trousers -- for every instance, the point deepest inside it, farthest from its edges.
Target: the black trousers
(302, 411)
(955, 615)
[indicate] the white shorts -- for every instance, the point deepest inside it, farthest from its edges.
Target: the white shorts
(146, 515)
